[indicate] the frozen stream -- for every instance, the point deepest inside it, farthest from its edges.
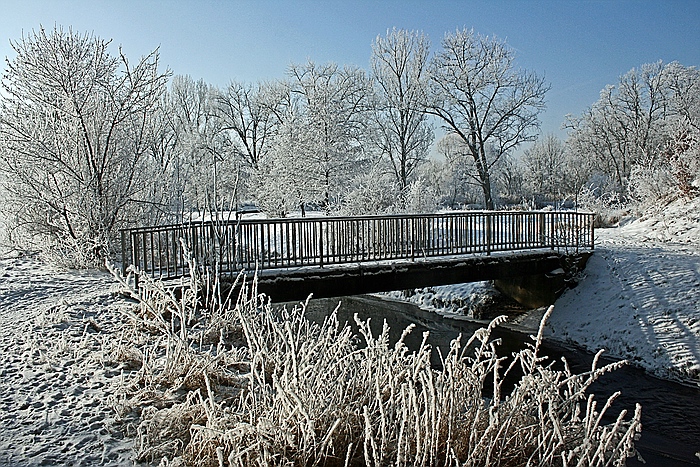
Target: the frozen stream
(670, 411)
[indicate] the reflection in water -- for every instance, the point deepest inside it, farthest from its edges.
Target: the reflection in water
(670, 411)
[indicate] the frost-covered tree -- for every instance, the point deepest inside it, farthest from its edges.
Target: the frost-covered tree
(479, 95)
(626, 124)
(684, 96)
(249, 115)
(371, 192)
(509, 179)
(628, 130)
(399, 66)
(458, 179)
(168, 184)
(204, 168)
(543, 168)
(320, 144)
(285, 180)
(674, 173)
(75, 130)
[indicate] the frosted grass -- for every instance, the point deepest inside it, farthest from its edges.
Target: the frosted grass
(233, 381)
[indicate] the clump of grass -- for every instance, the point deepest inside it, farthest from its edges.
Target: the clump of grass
(278, 389)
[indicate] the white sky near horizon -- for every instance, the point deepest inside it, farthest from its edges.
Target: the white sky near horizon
(579, 46)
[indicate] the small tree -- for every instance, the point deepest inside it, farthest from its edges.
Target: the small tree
(459, 181)
(319, 146)
(479, 95)
(75, 131)
(544, 164)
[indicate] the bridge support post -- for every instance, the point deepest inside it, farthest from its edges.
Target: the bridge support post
(538, 290)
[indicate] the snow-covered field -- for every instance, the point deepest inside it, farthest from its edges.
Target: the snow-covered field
(639, 299)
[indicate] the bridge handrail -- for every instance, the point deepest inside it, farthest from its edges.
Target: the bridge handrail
(234, 244)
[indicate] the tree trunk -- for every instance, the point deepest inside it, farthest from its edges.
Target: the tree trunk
(486, 188)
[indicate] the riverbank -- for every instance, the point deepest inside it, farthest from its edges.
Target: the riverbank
(638, 298)
(66, 360)
(57, 376)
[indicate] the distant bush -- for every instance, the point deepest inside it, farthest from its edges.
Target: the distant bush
(242, 383)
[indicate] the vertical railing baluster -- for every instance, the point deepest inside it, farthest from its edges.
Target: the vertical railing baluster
(488, 233)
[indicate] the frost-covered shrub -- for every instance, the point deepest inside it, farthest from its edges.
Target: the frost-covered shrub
(609, 208)
(652, 182)
(672, 174)
(74, 137)
(276, 389)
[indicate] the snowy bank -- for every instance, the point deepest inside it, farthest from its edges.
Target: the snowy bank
(638, 298)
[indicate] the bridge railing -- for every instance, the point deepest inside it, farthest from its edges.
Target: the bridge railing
(319, 241)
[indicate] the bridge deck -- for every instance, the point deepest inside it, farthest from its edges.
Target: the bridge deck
(277, 244)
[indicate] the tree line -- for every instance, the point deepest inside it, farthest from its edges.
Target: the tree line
(90, 142)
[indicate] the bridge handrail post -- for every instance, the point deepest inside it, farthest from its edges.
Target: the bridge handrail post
(552, 224)
(488, 221)
(134, 257)
(413, 238)
(543, 231)
(124, 260)
(320, 243)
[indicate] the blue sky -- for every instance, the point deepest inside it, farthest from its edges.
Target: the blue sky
(579, 46)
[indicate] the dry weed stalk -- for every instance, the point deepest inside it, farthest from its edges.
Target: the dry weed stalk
(277, 389)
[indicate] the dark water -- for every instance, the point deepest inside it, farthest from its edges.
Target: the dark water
(670, 411)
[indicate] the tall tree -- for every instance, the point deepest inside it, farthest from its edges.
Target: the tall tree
(250, 114)
(400, 72)
(74, 129)
(479, 95)
(204, 164)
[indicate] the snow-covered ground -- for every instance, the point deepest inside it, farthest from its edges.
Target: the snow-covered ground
(57, 379)
(639, 298)
(640, 295)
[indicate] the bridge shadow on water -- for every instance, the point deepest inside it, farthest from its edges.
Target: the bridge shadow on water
(670, 411)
